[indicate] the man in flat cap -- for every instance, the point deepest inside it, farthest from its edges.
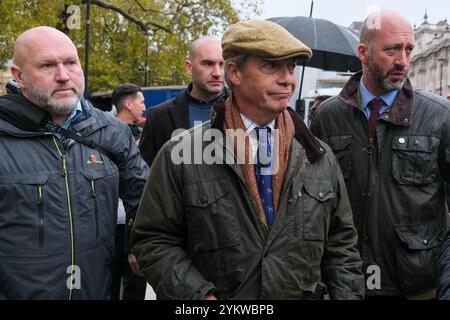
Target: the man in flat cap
(266, 217)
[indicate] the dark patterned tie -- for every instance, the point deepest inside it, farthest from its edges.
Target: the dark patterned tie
(375, 104)
(263, 172)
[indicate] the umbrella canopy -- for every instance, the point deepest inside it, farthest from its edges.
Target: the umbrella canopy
(334, 47)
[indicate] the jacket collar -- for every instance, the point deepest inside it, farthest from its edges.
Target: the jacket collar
(24, 115)
(313, 149)
(179, 108)
(20, 112)
(400, 112)
(191, 99)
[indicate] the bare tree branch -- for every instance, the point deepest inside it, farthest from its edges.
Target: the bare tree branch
(144, 26)
(145, 9)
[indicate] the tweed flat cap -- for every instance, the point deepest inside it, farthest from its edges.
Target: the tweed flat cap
(264, 39)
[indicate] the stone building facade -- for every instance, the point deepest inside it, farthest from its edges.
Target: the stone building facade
(430, 61)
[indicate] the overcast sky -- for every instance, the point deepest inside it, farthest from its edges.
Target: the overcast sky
(344, 12)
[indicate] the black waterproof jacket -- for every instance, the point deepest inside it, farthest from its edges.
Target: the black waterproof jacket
(58, 201)
(396, 188)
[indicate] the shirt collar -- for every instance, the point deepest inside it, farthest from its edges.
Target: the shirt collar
(250, 125)
(75, 113)
(367, 96)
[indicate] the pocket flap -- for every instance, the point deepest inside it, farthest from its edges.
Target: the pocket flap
(412, 143)
(24, 179)
(339, 142)
(203, 193)
(420, 236)
(98, 173)
(321, 190)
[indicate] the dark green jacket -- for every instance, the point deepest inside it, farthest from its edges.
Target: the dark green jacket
(397, 194)
(197, 228)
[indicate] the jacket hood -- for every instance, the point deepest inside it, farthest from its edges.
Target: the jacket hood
(20, 115)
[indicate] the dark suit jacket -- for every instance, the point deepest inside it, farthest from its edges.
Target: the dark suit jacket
(447, 185)
(161, 121)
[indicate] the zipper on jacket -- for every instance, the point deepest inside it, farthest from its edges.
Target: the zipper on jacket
(371, 148)
(41, 215)
(94, 196)
(371, 151)
(69, 206)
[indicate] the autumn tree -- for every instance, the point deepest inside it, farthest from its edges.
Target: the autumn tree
(140, 41)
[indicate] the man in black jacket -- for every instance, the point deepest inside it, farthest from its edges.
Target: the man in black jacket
(130, 103)
(64, 165)
(392, 143)
(193, 105)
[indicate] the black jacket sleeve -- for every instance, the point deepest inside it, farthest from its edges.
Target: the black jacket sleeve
(444, 270)
(147, 144)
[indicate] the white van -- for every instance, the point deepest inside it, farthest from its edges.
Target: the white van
(307, 101)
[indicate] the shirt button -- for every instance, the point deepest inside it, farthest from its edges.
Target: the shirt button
(402, 140)
(425, 241)
(321, 195)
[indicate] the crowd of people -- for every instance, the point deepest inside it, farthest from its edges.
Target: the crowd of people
(225, 193)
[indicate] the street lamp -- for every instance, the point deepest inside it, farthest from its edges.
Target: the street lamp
(174, 70)
(147, 68)
(86, 49)
(442, 59)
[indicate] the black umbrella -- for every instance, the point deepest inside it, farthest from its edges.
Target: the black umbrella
(334, 47)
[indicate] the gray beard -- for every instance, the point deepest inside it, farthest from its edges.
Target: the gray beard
(58, 107)
(381, 80)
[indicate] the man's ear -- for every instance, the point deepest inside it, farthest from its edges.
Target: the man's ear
(363, 53)
(233, 74)
(188, 66)
(18, 76)
(127, 104)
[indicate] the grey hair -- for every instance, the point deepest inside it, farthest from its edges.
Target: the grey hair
(239, 62)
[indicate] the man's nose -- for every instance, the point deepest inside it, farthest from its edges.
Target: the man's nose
(402, 59)
(286, 76)
(217, 70)
(61, 73)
